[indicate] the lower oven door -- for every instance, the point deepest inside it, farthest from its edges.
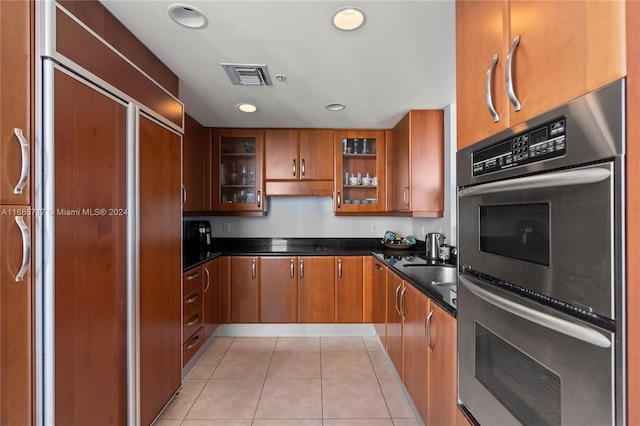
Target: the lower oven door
(523, 363)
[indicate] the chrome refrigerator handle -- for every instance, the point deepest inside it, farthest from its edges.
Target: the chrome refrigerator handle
(510, 92)
(487, 90)
(26, 248)
(560, 325)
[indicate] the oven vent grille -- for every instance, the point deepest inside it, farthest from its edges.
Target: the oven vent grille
(248, 74)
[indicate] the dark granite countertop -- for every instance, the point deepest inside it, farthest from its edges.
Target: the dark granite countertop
(393, 258)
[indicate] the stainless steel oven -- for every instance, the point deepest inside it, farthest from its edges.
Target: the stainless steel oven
(540, 297)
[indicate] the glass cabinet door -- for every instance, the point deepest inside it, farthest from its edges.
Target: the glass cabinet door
(360, 173)
(238, 157)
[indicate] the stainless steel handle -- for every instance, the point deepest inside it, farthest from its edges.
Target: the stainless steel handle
(487, 90)
(403, 313)
(26, 162)
(259, 198)
(254, 267)
(377, 266)
(294, 167)
(184, 195)
(577, 331)
(192, 298)
(193, 342)
(301, 269)
(291, 270)
(405, 196)
(206, 288)
(26, 248)
(510, 92)
(193, 321)
(302, 167)
(397, 308)
(567, 178)
(339, 199)
(193, 276)
(339, 269)
(427, 329)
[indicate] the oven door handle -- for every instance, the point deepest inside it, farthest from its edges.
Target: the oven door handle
(567, 178)
(560, 325)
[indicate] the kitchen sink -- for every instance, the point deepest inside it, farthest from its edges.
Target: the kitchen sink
(432, 274)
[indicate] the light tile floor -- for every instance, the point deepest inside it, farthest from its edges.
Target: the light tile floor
(314, 381)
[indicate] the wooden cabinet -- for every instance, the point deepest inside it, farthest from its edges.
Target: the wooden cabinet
(417, 148)
(545, 73)
(414, 306)
(211, 297)
(160, 254)
(17, 313)
(237, 184)
(16, 101)
(278, 289)
(359, 171)
(244, 289)
(395, 285)
(316, 289)
(379, 299)
(192, 312)
(442, 343)
(195, 159)
(349, 289)
(299, 161)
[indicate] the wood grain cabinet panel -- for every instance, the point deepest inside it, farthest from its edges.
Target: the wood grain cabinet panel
(394, 346)
(278, 289)
(245, 289)
(194, 167)
(379, 299)
(211, 294)
(545, 73)
(316, 289)
(16, 98)
(349, 289)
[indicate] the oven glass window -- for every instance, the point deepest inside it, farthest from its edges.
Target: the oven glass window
(526, 388)
(518, 231)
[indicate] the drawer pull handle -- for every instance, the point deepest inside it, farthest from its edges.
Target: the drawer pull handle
(339, 269)
(26, 162)
(206, 271)
(487, 90)
(291, 271)
(194, 276)
(193, 321)
(193, 298)
(294, 167)
(512, 94)
(193, 342)
(427, 329)
(378, 267)
(302, 168)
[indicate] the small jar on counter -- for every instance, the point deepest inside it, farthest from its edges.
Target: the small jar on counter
(445, 251)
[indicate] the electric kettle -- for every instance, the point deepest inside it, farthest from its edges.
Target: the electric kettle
(433, 240)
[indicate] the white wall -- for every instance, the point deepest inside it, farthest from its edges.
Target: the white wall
(314, 217)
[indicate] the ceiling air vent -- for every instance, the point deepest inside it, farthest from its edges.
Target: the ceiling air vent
(248, 75)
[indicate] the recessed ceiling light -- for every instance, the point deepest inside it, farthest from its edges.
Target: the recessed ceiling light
(187, 16)
(335, 107)
(348, 18)
(247, 108)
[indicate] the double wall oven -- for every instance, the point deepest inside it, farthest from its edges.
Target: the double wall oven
(541, 282)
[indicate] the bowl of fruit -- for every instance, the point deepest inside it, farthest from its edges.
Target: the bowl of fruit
(393, 240)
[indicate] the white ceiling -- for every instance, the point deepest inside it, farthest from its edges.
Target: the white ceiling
(402, 58)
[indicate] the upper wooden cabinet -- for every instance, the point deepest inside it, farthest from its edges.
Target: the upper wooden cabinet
(359, 171)
(237, 185)
(564, 50)
(299, 161)
(194, 167)
(417, 155)
(16, 101)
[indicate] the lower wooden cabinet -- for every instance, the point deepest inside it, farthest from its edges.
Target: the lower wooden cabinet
(316, 289)
(278, 289)
(211, 297)
(379, 299)
(443, 373)
(416, 352)
(349, 289)
(395, 285)
(244, 289)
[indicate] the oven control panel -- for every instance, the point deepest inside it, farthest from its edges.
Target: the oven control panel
(533, 145)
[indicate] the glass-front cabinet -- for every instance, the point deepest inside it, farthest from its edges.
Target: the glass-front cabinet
(238, 156)
(360, 171)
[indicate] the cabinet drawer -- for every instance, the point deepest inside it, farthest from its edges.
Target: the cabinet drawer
(192, 345)
(191, 323)
(191, 280)
(191, 303)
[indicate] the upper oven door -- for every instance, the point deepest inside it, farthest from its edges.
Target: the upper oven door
(552, 233)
